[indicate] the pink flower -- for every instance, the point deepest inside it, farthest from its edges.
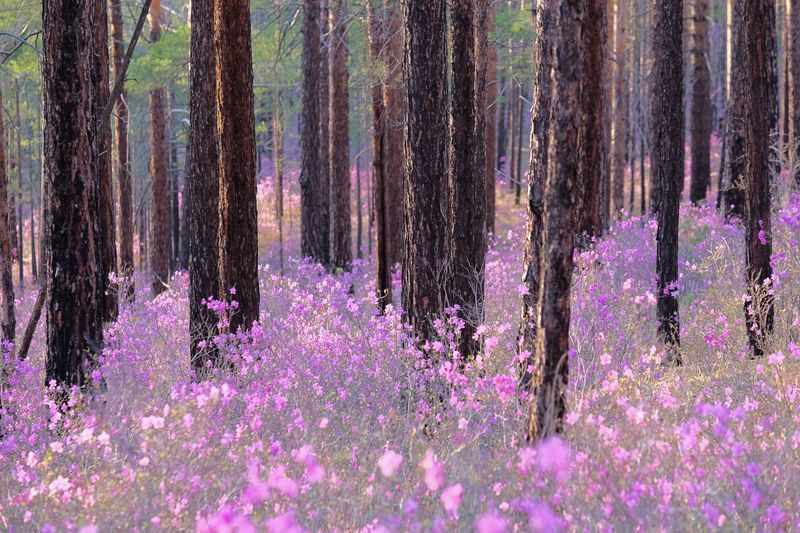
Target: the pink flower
(389, 462)
(491, 522)
(776, 358)
(451, 498)
(553, 457)
(434, 471)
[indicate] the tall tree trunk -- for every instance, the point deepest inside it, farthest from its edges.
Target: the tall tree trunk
(735, 140)
(277, 146)
(174, 210)
(20, 231)
(238, 224)
(74, 281)
(667, 163)
(545, 17)
(202, 181)
(108, 236)
(758, 29)
(341, 249)
(520, 134)
(383, 282)
(159, 234)
(795, 23)
(123, 163)
(467, 167)
(32, 205)
(314, 212)
(8, 321)
(491, 125)
(502, 125)
(621, 117)
(12, 199)
(701, 105)
(548, 398)
(324, 192)
(394, 162)
(425, 147)
(593, 122)
(608, 107)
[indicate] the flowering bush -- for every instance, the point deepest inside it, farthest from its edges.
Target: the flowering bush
(333, 421)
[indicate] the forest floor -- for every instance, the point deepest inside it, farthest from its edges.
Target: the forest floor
(327, 425)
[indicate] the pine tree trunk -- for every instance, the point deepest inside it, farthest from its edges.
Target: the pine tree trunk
(795, 52)
(74, 281)
(383, 282)
(425, 148)
(621, 117)
(758, 29)
(159, 234)
(123, 164)
(394, 162)
(314, 212)
(8, 321)
(277, 146)
(667, 163)
(107, 205)
(203, 187)
(324, 192)
(174, 209)
(491, 125)
(551, 370)
(238, 224)
(701, 105)
(502, 131)
(20, 230)
(467, 178)
(545, 17)
(592, 146)
(735, 140)
(341, 249)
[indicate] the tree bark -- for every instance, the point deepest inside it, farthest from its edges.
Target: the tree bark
(202, 182)
(592, 144)
(277, 146)
(238, 224)
(74, 265)
(174, 208)
(795, 52)
(20, 230)
(107, 205)
(551, 370)
(314, 213)
(123, 163)
(8, 322)
(758, 29)
(323, 201)
(467, 163)
(377, 40)
(394, 162)
(667, 163)
(425, 148)
(341, 249)
(545, 16)
(735, 140)
(159, 235)
(491, 125)
(701, 105)
(621, 117)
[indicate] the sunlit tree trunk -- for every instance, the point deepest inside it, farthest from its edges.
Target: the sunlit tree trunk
(238, 233)
(551, 370)
(667, 163)
(425, 148)
(159, 235)
(74, 281)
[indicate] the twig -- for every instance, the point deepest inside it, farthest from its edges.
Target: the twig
(32, 323)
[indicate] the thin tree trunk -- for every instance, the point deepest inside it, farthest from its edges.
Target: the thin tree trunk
(520, 135)
(32, 205)
(123, 163)
(621, 117)
(545, 17)
(502, 131)
(202, 181)
(758, 29)
(174, 214)
(667, 163)
(425, 147)
(795, 52)
(8, 321)
(74, 281)
(491, 125)
(735, 140)
(700, 117)
(383, 282)
(548, 398)
(277, 146)
(324, 192)
(341, 247)
(159, 234)
(238, 233)
(467, 163)
(393, 160)
(20, 230)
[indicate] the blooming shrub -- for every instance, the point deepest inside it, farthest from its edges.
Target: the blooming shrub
(333, 421)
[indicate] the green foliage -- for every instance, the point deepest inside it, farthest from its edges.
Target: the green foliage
(163, 63)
